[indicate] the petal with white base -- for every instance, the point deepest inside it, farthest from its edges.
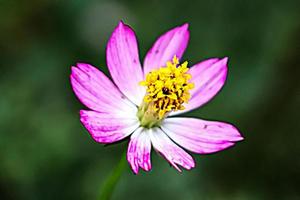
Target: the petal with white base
(169, 150)
(123, 62)
(171, 43)
(97, 92)
(139, 150)
(201, 136)
(107, 127)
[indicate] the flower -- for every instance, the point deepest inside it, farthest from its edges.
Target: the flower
(141, 102)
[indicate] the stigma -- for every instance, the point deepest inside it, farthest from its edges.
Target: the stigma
(167, 88)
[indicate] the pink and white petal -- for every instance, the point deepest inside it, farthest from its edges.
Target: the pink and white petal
(107, 127)
(169, 150)
(139, 150)
(97, 92)
(209, 77)
(173, 42)
(123, 62)
(201, 136)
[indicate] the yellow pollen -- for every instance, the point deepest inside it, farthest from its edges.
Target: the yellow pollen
(168, 87)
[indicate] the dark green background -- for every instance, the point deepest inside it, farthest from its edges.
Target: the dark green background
(45, 153)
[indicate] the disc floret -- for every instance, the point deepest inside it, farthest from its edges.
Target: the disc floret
(167, 90)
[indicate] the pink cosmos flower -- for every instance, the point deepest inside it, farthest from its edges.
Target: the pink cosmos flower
(141, 102)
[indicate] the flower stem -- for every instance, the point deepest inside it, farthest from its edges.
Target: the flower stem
(111, 181)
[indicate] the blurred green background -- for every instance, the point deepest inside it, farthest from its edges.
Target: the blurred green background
(45, 153)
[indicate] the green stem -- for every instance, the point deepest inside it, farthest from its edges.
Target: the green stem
(111, 181)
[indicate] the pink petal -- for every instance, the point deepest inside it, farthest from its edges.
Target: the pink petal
(97, 92)
(173, 42)
(139, 149)
(169, 150)
(123, 62)
(107, 127)
(209, 77)
(201, 136)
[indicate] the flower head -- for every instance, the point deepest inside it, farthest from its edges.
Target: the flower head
(168, 87)
(141, 101)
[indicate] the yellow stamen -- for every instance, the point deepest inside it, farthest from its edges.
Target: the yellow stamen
(167, 88)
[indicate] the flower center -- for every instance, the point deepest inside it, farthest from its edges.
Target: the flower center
(167, 89)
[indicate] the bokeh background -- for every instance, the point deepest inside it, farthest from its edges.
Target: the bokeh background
(45, 153)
